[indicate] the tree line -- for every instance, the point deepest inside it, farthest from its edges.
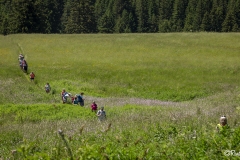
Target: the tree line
(118, 16)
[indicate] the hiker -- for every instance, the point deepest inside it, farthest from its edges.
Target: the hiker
(24, 65)
(81, 99)
(74, 100)
(94, 107)
(47, 88)
(222, 126)
(21, 64)
(63, 95)
(32, 76)
(101, 114)
(20, 57)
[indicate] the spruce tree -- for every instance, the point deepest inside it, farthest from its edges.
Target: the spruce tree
(165, 9)
(65, 15)
(5, 9)
(197, 21)
(153, 12)
(100, 9)
(190, 13)
(230, 22)
(21, 17)
(218, 14)
(106, 22)
(178, 16)
(206, 24)
(165, 14)
(124, 16)
(142, 16)
(79, 16)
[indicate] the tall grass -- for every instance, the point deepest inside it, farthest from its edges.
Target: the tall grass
(178, 131)
(163, 95)
(174, 67)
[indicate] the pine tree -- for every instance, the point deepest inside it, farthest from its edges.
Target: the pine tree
(5, 9)
(198, 17)
(71, 25)
(206, 24)
(218, 14)
(237, 13)
(124, 16)
(65, 16)
(79, 16)
(165, 9)
(106, 22)
(178, 16)
(87, 19)
(21, 17)
(142, 16)
(165, 26)
(55, 9)
(100, 9)
(230, 22)
(122, 24)
(165, 14)
(190, 13)
(153, 12)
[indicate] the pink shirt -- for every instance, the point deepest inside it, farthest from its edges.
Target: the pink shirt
(94, 106)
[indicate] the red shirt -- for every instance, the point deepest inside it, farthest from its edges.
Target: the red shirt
(94, 106)
(32, 75)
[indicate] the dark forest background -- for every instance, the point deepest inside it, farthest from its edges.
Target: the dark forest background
(118, 16)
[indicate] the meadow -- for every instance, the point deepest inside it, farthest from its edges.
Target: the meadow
(163, 94)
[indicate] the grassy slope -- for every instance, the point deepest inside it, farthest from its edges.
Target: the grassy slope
(155, 66)
(174, 67)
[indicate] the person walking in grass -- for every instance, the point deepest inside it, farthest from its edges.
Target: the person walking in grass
(25, 66)
(63, 95)
(101, 114)
(222, 127)
(75, 100)
(47, 88)
(94, 107)
(20, 59)
(81, 99)
(32, 76)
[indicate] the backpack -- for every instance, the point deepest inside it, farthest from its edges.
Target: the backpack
(79, 97)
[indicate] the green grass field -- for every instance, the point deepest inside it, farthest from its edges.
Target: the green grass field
(163, 94)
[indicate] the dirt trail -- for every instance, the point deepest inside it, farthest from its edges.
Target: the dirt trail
(123, 101)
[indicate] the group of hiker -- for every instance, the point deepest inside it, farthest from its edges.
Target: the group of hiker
(101, 114)
(24, 66)
(22, 63)
(78, 99)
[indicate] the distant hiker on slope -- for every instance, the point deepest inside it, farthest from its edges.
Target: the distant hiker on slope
(75, 100)
(101, 114)
(32, 76)
(24, 65)
(94, 107)
(47, 88)
(81, 99)
(222, 126)
(64, 96)
(20, 59)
